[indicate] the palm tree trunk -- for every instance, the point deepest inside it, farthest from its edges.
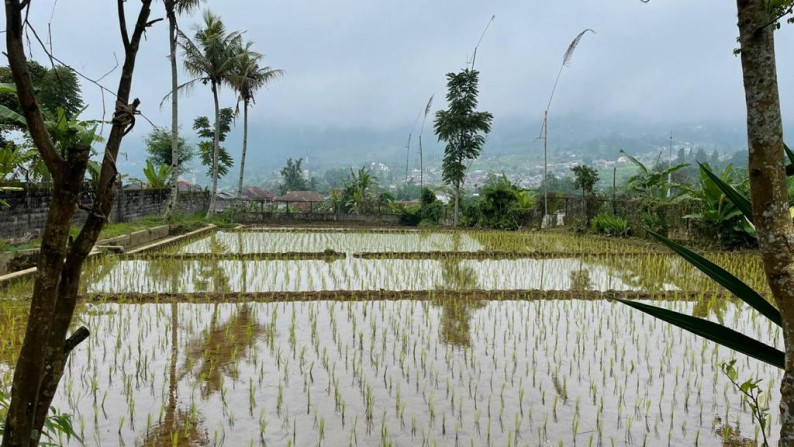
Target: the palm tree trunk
(215, 150)
(245, 149)
(768, 182)
(173, 199)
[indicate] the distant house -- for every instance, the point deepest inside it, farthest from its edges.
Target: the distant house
(258, 194)
(223, 200)
(304, 201)
(184, 185)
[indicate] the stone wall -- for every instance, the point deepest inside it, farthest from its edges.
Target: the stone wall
(27, 210)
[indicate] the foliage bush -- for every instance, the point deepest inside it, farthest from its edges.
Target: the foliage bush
(721, 220)
(611, 225)
(500, 206)
(429, 213)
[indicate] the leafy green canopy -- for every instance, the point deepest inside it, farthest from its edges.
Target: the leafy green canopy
(158, 146)
(56, 88)
(206, 132)
(292, 176)
(461, 126)
(585, 178)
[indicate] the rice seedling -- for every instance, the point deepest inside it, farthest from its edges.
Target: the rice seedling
(461, 350)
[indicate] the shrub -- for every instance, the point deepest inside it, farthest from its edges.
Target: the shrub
(429, 213)
(410, 215)
(610, 225)
(501, 206)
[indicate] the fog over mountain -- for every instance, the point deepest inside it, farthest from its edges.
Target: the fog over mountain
(358, 72)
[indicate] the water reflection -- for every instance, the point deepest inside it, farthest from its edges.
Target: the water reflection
(580, 279)
(210, 275)
(214, 356)
(178, 426)
(456, 312)
(707, 305)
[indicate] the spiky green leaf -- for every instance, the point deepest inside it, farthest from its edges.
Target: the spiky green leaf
(725, 279)
(714, 332)
(739, 200)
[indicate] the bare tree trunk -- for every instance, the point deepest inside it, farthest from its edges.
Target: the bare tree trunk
(45, 348)
(245, 149)
(457, 201)
(421, 171)
(768, 182)
(215, 151)
(173, 199)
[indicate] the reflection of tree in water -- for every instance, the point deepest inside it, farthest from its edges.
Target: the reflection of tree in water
(580, 279)
(708, 304)
(210, 276)
(670, 271)
(168, 273)
(456, 311)
(214, 355)
(96, 270)
(177, 426)
(455, 276)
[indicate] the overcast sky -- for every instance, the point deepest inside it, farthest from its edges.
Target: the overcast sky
(371, 64)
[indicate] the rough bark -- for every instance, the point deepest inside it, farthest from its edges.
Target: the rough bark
(245, 149)
(45, 348)
(768, 182)
(173, 199)
(215, 151)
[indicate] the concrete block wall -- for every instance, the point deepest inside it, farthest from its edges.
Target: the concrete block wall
(27, 210)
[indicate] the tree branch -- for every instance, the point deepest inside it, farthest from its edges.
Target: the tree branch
(75, 339)
(125, 38)
(103, 203)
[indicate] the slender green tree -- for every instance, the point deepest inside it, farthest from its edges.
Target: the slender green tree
(158, 147)
(216, 158)
(174, 8)
(585, 178)
(210, 56)
(292, 174)
(462, 127)
(247, 77)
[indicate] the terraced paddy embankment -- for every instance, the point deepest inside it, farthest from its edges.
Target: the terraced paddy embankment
(352, 337)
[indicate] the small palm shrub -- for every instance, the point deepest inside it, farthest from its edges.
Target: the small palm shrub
(611, 225)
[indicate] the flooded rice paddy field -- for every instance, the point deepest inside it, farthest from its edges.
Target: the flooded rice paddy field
(429, 371)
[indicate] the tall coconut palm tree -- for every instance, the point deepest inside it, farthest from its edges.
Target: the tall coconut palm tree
(247, 77)
(211, 56)
(172, 9)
